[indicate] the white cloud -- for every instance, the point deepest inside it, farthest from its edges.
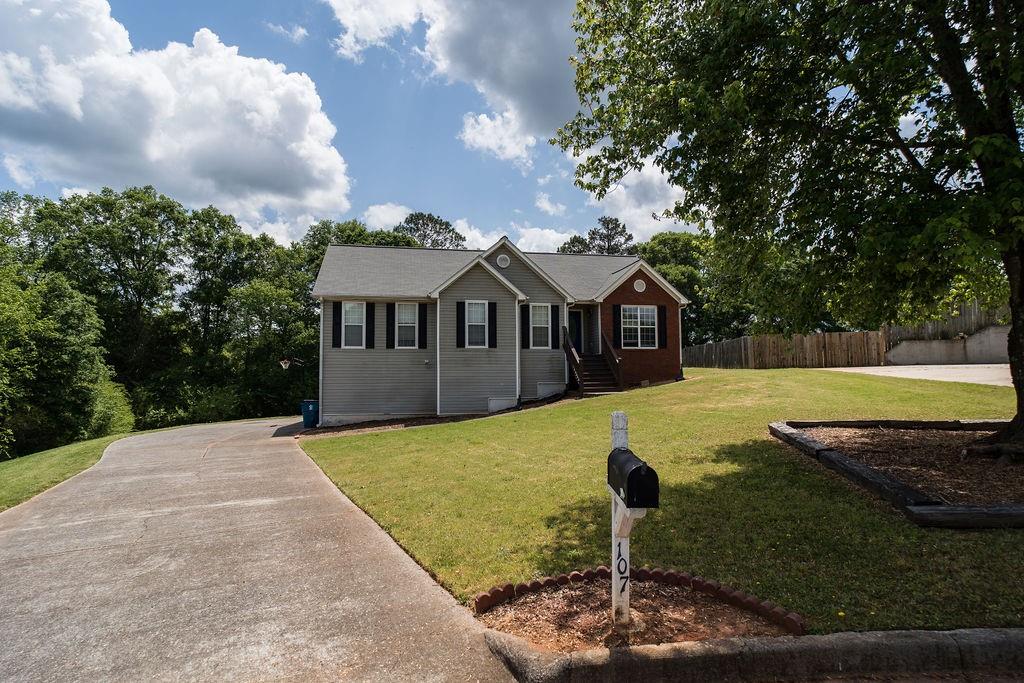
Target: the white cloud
(369, 24)
(499, 135)
(476, 238)
(549, 207)
(541, 239)
(638, 197)
(910, 124)
(385, 216)
(295, 34)
(516, 55)
(66, 192)
(527, 237)
(201, 122)
(16, 170)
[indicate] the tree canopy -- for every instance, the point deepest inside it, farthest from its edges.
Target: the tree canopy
(431, 231)
(873, 147)
(609, 237)
(124, 306)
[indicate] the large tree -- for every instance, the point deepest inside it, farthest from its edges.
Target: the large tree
(878, 142)
(124, 250)
(431, 231)
(687, 261)
(609, 237)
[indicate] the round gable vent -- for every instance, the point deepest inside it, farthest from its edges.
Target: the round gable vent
(639, 285)
(503, 260)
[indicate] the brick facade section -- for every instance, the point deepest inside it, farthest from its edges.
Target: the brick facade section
(652, 365)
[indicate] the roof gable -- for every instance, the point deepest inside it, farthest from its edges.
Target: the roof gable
(506, 244)
(478, 261)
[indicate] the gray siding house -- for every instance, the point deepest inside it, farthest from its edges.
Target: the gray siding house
(407, 331)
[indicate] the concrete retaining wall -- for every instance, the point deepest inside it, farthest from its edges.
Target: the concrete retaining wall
(986, 346)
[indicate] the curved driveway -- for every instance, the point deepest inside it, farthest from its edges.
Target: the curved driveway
(219, 552)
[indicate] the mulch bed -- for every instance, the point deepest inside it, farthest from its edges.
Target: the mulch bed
(403, 423)
(930, 461)
(577, 616)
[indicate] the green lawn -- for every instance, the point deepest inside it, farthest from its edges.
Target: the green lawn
(24, 477)
(523, 495)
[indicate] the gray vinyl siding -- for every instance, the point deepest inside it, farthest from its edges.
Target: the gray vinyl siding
(470, 377)
(536, 365)
(378, 382)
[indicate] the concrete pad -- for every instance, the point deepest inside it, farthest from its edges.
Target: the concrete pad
(997, 374)
(219, 552)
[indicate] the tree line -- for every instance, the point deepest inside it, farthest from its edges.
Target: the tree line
(122, 310)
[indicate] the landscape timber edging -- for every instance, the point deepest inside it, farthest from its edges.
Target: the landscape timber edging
(870, 653)
(916, 505)
(790, 621)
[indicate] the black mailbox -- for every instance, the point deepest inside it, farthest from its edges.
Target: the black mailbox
(633, 480)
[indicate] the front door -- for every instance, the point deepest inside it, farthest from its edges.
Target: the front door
(576, 330)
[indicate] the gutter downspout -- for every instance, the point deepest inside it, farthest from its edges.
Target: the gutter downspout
(320, 380)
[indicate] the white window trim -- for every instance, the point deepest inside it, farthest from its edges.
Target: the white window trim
(622, 328)
(547, 336)
(416, 326)
(485, 324)
(362, 343)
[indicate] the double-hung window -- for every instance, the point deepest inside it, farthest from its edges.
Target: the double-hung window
(639, 327)
(407, 325)
(353, 325)
(476, 324)
(540, 326)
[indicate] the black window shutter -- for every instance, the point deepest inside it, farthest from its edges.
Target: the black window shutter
(336, 324)
(460, 324)
(371, 323)
(423, 326)
(389, 331)
(556, 328)
(524, 325)
(492, 324)
(616, 326)
(662, 327)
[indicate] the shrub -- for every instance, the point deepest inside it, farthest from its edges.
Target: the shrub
(113, 412)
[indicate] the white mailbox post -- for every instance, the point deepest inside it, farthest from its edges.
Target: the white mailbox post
(634, 488)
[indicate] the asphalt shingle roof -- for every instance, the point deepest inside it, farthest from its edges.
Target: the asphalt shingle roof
(404, 272)
(584, 276)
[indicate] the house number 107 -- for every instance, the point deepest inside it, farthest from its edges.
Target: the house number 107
(622, 568)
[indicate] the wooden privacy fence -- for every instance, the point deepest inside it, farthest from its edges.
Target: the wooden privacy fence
(822, 350)
(966, 320)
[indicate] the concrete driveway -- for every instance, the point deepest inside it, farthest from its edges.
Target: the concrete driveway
(219, 552)
(998, 375)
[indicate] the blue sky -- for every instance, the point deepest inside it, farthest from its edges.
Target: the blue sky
(286, 112)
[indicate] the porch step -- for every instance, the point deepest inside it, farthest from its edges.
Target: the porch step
(598, 378)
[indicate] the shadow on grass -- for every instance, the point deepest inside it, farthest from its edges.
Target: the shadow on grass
(778, 525)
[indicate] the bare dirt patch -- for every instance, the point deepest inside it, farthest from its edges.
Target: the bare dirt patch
(578, 617)
(930, 461)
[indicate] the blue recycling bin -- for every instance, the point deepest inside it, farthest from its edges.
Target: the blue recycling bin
(310, 413)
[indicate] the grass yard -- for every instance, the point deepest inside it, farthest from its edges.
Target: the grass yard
(523, 495)
(24, 477)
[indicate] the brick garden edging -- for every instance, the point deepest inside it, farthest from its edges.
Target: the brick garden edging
(790, 621)
(966, 654)
(916, 505)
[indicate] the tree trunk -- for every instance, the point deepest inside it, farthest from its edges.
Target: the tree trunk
(1008, 443)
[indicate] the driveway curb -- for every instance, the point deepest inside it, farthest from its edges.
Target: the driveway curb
(873, 653)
